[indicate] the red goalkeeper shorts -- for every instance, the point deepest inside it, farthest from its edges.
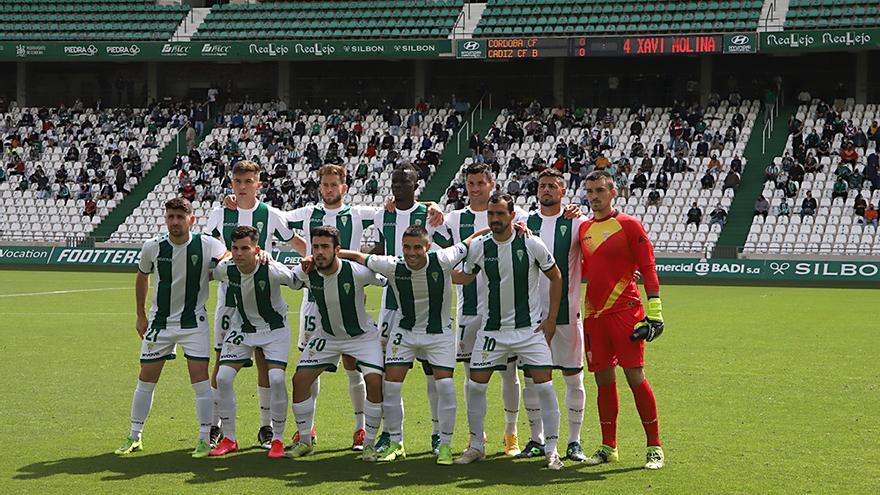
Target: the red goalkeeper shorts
(606, 340)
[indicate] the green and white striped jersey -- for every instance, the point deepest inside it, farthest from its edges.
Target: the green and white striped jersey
(257, 295)
(457, 226)
(268, 221)
(180, 278)
(391, 226)
(513, 269)
(560, 235)
(424, 296)
(340, 298)
(349, 220)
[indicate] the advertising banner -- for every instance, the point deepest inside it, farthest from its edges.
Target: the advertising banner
(740, 43)
(839, 272)
(232, 50)
(823, 39)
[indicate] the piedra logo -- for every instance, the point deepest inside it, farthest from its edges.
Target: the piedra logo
(81, 51)
(123, 51)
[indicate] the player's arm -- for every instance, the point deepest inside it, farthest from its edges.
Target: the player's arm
(298, 244)
(471, 264)
(640, 246)
(141, 286)
(356, 256)
(547, 264)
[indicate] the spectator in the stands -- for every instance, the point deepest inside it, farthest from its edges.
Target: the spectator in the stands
(621, 181)
(839, 190)
(870, 217)
(658, 150)
(783, 210)
(190, 134)
(736, 164)
(849, 154)
(188, 192)
(718, 216)
(694, 215)
(640, 181)
(715, 164)
(731, 181)
(513, 187)
(668, 164)
(707, 181)
(859, 205)
(702, 150)
(654, 198)
(762, 206)
(661, 180)
(791, 189)
(796, 172)
(107, 191)
(90, 209)
(372, 187)
(809, 205)
(2, 175)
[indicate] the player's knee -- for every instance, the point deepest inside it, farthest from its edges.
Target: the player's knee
(541, 376)
(634, 376)
(276, 377)
(225, 377)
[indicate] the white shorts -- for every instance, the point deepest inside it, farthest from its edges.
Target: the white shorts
(309, 321)
(324, 351)
(239, 346)
(468, 326)
(567, 347)
(437, 349)
(495, 348)
(160, 344)
(224, 317)
(387, 323)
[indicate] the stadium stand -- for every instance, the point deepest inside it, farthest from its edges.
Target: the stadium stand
(80, 151)
(88, 20)
(817, 153)
(331, 20)
(824, 14)
(291, 146)
(579, 17)
(525, 140)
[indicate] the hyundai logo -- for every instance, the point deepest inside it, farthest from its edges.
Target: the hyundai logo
(740, 40)
(471, 45)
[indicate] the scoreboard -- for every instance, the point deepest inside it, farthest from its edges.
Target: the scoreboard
(523, 48)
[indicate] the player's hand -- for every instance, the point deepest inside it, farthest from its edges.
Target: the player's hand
(637, 276)
(571, 211)
(651, 325)
(307, 263)
(141, 326)
(548, 327)
(521, 229)
(390, 204)
(435, 215)
(230, 203)
(263, 257)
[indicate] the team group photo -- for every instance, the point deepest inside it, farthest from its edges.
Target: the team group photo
(424, 246)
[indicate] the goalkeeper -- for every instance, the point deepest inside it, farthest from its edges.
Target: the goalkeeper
(614, 245)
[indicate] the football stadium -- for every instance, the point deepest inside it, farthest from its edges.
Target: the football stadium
(251, 245)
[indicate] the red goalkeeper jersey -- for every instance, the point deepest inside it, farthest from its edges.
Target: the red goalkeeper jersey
(613, 248)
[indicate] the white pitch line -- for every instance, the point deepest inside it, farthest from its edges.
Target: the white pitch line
(62, 292)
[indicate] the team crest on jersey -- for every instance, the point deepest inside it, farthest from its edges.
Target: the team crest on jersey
(607, 234)
(149, 347)
(485, 356)
(259, 226)
(563, 229)
(435, 276)
(195, 259)
(347, 287)
(262, 285)
(418, 221)
(519, 254)
(394, 349)
(344, 221)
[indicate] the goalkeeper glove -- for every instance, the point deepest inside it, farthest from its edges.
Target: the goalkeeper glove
(651, 326)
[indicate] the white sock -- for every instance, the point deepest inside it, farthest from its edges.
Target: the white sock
(533, 411)
(467, 380)
(446, 409)
(357, 391)
(225, 378)
(431, 388)
(510, 395)
(278, 403)
(204, 408)
(575, 397)
(304, 414)
(372, 420)
(264, 395)
(315, 389)
(392, 409)
(550, 415)
(476, 412)
(215, 395)
(141, 403)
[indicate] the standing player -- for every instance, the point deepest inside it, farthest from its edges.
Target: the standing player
(261, 323)
(422, 281)
(513, 325)
(345, 329)
(179, 262)
(269, 223)
(560, 236)
(614, 245)
(471, 298)
(391, 225)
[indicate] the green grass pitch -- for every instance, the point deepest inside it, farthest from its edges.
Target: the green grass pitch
(760, 390)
